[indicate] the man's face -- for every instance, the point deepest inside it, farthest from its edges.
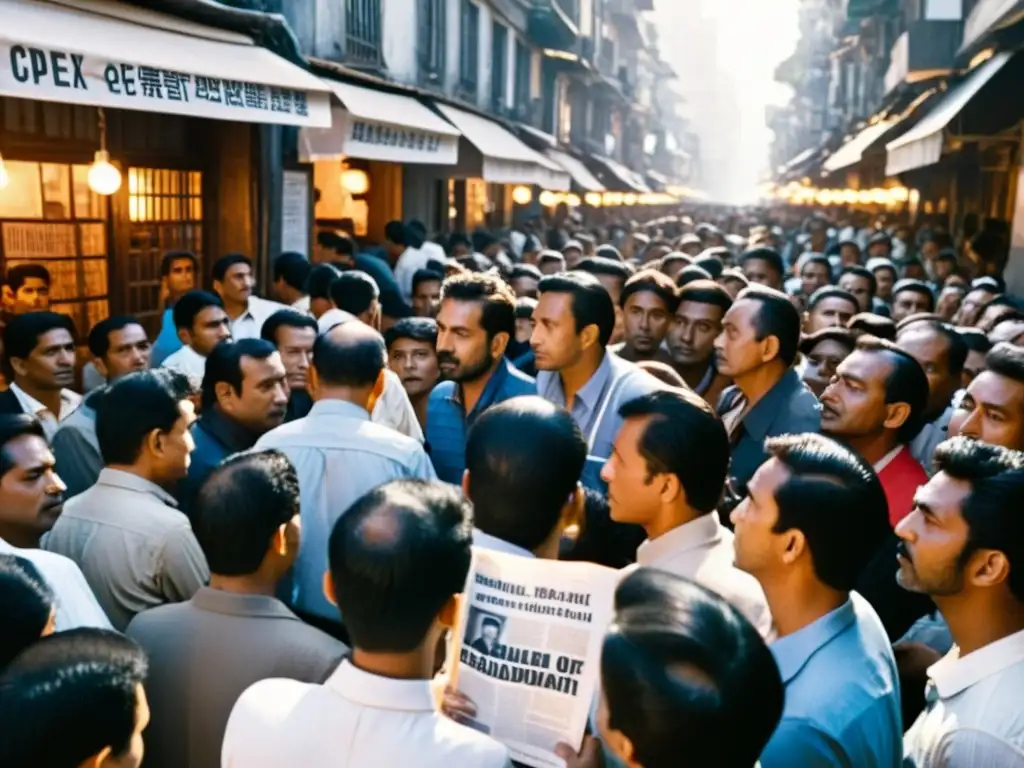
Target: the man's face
(463, 349)
(971, 306)
(295, 346)
(525, 286)
(489, 632)
(51, 365)
(879, 250)
(849, 255)
(931, 349)
(941, 269)
(992, 410)
(572, 257)
(885, 279)
(907, 303)
(929, 250)
(176, 446)
(814, 276)
(760, 271)
(263, 401)
(691, 339)
(31, 493)
(181, 278)
(415, 362)
(555, 343)
(524, 329)
(210, 327)
(860, 287)
(237, 284)
(933, 537)
(426, 297)
(32, 296)
(853, 405)
(822, 364)
(552, 266)
(737, 348)
(759, 549)
(973, 365)
(991, 315)
(129, 351)
(833, 312)
(949, 302)
(647, 321)
(633, 494)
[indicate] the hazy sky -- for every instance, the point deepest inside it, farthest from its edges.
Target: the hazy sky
(752, 37)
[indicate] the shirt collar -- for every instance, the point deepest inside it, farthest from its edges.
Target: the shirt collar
(491, 389)
(33, 406)
(886, 460)
(227, 432)
(705, 530)
(590, 393)
(793, 651)
(953, 673)
(332, 318)
(235, 604)
(493, 543)
(369, 690)
(759, 418)
(332, 407)
(117, 478)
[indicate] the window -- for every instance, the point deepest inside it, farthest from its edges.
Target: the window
(499, 67)
(524, 76)
(362, 32)
(432, 21)
(469, 50)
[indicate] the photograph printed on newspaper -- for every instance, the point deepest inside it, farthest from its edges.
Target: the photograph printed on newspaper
(527, 650)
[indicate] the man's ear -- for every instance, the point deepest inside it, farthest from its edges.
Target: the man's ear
(769, 348)
(449, 611)
(101, 367)
(329, 589)
(378, 390)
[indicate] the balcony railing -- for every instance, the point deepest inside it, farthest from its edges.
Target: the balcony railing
(363, 33)
(555, 23)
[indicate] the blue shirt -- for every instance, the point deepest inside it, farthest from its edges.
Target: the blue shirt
(216, 437)
(842, 694)
(448, 424)
(167, 341)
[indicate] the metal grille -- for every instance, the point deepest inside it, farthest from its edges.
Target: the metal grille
(499, 67)
(432, 24)
(469, 50)
(362, 32)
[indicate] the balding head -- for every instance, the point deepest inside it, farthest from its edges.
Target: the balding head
(350, 355)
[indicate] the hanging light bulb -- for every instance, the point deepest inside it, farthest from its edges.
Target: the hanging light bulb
(104, 178)
(355, 181)
(522, 195)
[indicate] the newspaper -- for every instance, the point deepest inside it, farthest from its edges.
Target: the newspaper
(527, 650)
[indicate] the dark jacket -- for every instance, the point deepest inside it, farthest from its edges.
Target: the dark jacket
(216, 437)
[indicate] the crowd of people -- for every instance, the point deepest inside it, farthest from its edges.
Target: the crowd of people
(240, 539)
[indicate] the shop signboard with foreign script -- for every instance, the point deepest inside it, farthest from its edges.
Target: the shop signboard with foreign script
(64, 76)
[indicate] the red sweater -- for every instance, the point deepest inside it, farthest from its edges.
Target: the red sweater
(901, 477)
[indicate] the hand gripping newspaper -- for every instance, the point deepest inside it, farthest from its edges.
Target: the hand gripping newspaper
(527, 649)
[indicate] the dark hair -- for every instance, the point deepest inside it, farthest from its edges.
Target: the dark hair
(906, 383)
(975, 339)
(396, 232)
(224, 263)
(992, 510)
(426, 276)
(818, 259)
(835, 499)
(674, 257)
(81, 684)
(735, 275)
(917, 286)
(188, 307)
(691, 274)
(1006, 359)
(608, 252)
(293, 268)
(706, 292)
(19, 273)
(524, 307)
(99, 336)
(26, 603)
(652, 281)
(591, 302)
(711, 265)
(875, 325)
(397, 555)
(422, 329)
(22, 333)
(320, 279)
(831, 292)
(240, 506)
(768, 255)
(285, 318)
(224, 364)
(13, 426)
(354, 292)
(776, 316)
(600, 265)
(132, 407)
(525, 270)
(842, 336)
(683, 438)
(551, 257)
(524, 457)
(684, 673)
(167, 262)
(496, 299)
(864, 274)
(988, 283)
(355, 362)
(956, 354)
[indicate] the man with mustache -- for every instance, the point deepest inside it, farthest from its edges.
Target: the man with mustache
(412, 355)
(475, 323)
(40, 351)
(963, 545)
(648, 303)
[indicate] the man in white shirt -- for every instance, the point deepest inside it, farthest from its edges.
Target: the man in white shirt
(963, 546)
(202, 323)
(233, 281)
(666, 473)
(398, 561)
(40, 348)
(31, 499)
(338, 452)
(404, 258)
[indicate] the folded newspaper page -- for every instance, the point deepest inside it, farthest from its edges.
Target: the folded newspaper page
(527, 650)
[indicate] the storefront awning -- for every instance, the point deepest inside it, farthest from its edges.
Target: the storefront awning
(658, 181)
(103, 53)
(581, 175)
(852, 151)
(922, 145)
(379, 125)
(626, 178)
(506, 159)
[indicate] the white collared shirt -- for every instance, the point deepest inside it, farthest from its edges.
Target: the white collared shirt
(301, 304)
(354, 720)
(249, 324)
(189, 362)
(974, 715)
(409, 263)
(494, 544)
(702, 551)
(69, 401)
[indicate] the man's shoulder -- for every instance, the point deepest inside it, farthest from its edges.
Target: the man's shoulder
(468, 746)
(441, 393)
(268, 703)
(157, 620)
(308, 432)
(517, 383)
(633, 381)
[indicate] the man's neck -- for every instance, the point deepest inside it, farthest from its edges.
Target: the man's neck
(48, 397)
(419, 405)
(630, 353)
(693, 373)
(975, 622)
(758, 382)
(669, 518)
(251, 584)
(138, 470)
(415, 665)
(796, 602)
(358, 397)
(19, 537)
(574, 377)
(235, 310)
(470, 392)
(872, 448)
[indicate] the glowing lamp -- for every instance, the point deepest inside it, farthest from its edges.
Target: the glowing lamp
(548, 199)
(522, 195)
(104, 178)
(355, 181)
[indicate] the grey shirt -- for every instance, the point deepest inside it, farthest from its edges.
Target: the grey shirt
(204, 653)
(77, 450)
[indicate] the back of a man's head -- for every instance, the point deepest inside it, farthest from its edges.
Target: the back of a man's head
(684, 673)
(397, 557)
(69, 697)
(524, 457)
(350, 355)
(131, 409)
